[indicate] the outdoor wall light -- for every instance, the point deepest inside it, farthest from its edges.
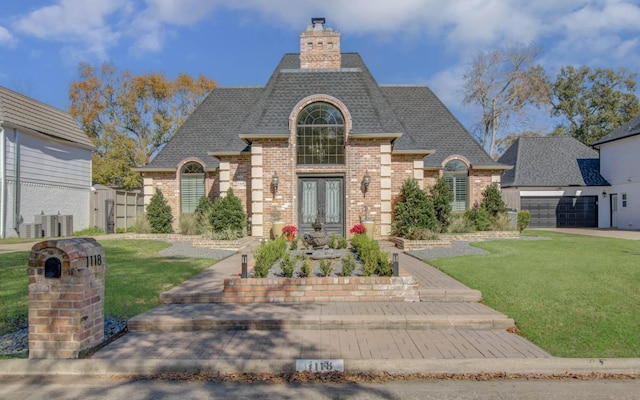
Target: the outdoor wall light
(274, 183)
(604, 194)
(366, 181)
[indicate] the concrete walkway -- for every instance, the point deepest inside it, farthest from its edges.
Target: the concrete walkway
(194, 325)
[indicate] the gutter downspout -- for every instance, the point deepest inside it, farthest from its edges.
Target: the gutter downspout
(3, 185)
(16, 171)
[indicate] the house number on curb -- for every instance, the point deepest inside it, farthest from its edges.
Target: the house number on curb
(320, 365)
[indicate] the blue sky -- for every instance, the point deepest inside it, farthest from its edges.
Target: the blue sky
(239, 42)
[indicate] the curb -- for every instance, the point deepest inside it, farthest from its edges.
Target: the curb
(141, 367)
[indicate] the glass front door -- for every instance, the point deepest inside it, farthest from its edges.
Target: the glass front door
(322, 199)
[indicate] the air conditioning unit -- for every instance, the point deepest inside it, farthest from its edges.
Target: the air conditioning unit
(66, 225)
(50, 226)
(31, 231)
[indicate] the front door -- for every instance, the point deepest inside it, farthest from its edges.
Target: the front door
(321, 198)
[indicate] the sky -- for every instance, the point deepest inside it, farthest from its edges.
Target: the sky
(240, 42)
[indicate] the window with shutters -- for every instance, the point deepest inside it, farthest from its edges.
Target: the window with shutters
(191, 186)
(321, 135)
(456, 174)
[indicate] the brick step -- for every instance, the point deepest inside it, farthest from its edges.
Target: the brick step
(215, 296)
(320, 316)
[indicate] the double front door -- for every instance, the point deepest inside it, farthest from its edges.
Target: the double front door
(322, 199)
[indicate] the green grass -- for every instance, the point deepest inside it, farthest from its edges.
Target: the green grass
(574, 296)
(135, 277)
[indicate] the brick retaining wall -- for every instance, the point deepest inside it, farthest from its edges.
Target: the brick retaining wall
(353, 288)
(445, 240)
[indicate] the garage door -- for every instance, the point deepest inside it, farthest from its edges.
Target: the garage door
(562, 212)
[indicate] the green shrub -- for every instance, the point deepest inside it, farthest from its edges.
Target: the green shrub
(492, 201)
(287, 265)
(159, 214)
(294, 244)
(342, 242)
(202, 215)
(326, 267)
(460, 224)
(141, 225)
(267, 254)
(369, 266)
(227, 213)
(421, 234)
(385, 266)
(188, 225)
(92, 231)
(226, 234)
(442, 196)
(348, 265)
(414, 209)
(502, 222)
(305, 269)
(524, 217)
(333, 242)
(479, 218)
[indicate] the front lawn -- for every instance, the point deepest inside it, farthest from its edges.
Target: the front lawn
(135, 277)
(574, 296)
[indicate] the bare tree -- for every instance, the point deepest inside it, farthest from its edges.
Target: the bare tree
(502, 83)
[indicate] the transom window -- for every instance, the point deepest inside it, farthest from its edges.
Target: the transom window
(320, 135)
(191, 186)
(456, 175)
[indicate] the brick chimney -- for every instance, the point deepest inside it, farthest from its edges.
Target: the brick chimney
(319, 47)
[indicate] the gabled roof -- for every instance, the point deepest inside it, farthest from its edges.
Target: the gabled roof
(413, 113)
(551, 161)
(630, 128)
(22, 111)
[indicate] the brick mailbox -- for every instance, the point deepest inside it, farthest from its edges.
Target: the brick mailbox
(66, 297)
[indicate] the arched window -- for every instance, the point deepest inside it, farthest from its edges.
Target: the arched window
(456, 175)
(320, 134)
(191, 186)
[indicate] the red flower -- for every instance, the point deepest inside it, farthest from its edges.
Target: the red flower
(289, 232)
(358, 229)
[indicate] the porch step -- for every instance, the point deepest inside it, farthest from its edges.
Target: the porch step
(320, 316)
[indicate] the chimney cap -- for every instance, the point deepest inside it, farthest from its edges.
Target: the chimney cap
(318, 20)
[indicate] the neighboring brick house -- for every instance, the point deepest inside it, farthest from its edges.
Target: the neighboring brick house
(336, 142)
(556, 178)
(45, 164)
(619, 164)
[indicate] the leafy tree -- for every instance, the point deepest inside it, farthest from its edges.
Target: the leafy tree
(442, 196)
(227, 213)
(130, 117)
(492, 201)
(414, 209)
(503, 83)
(593, 102)
(159, 214)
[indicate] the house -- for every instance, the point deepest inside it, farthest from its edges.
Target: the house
(322, 140)
(556, 178)
(619, 164)
(45, 165)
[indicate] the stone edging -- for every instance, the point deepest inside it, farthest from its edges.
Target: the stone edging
(196, 240)
(445, 240)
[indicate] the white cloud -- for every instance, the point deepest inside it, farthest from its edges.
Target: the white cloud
(6, 38)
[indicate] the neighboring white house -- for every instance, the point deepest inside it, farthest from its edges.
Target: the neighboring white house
(620, 165)
(557, 179)
(45, 164)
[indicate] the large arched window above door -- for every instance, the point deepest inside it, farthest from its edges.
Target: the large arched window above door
(191, 186)
(456, 173)
(320, 135)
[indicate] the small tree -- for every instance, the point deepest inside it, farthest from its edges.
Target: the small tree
(492, 200)
(414, 209)
(442, 196)
(227, 213)
(159, 214)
